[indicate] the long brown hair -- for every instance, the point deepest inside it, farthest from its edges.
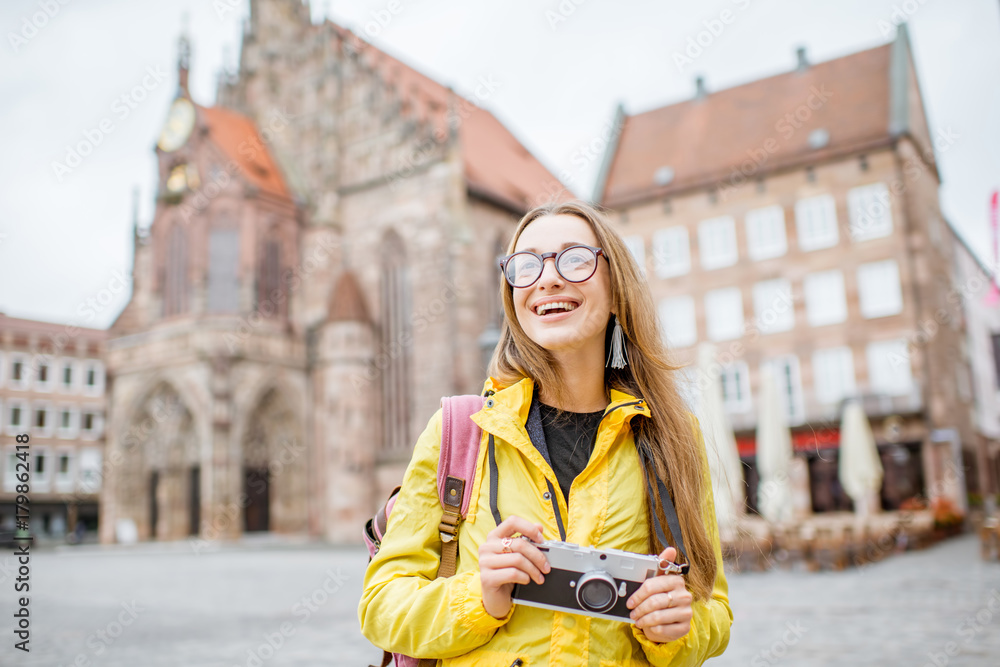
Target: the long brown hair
(649, 374)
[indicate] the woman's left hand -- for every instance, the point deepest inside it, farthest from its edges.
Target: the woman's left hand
(662, 605)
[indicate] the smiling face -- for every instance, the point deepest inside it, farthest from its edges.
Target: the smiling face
(559, 315)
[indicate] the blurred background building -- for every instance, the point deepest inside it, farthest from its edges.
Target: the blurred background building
(794, 222)
(52, 387)
(320, 270)
(318, 273)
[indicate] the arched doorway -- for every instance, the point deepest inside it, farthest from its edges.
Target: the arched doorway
(274, 467)
(159, 485)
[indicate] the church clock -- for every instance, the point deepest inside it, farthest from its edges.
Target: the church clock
(180, 122)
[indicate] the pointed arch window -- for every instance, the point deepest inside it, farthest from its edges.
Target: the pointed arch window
(397, 341)
(272, 297)
(175, 283)
(223, 270)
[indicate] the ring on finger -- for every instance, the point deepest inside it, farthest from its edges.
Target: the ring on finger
(506, 542)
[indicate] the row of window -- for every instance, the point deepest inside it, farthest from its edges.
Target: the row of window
(59, 470)
(833, 378)
(44, 420)
(69, 376)
(816, 228)
(879, 295)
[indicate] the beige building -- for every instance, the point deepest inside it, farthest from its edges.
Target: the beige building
(52, 389)
(319, 272)
(793, 221)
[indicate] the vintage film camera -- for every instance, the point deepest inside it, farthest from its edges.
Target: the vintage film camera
(591, 582)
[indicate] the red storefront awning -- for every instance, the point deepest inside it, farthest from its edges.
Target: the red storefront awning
(808, 440)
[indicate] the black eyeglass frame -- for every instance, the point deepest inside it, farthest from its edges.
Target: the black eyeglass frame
(556, 256)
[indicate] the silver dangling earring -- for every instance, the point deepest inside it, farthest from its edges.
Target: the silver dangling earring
(617, 356)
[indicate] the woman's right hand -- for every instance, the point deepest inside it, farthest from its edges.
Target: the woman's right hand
(499, 570)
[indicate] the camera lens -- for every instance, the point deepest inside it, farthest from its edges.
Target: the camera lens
(596, 592)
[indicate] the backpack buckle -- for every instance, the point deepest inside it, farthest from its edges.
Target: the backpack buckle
(448, 528)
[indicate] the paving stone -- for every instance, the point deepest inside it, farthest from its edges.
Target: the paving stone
(228, 607)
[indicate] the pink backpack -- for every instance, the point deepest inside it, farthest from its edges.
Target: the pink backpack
(460, 437)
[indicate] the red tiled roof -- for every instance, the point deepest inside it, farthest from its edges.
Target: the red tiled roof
(237, 137)
(709, 139)
(496, 163)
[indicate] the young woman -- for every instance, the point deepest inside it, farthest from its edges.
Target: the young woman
(567, 408)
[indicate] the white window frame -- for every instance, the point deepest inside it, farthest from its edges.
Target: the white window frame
(736, 375)
(826, 297)
(897, 354)
(25, 425)
(794, 408)
(41, 481)
(73, 430)
(870, 209)
(74, 367)
(89, 464)
(829, 390)
(815, 236)
(98, 430)
(875, 281)
(47, 430)
(722, 254)
(98, 387)
(637, 247)
(774, 297)
(674, 310)
(38, 362)
(65, 483)
(718, 302)
(672, 252)
(766, 235)
(25, 382)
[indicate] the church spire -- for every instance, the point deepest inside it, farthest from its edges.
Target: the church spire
(183, 59)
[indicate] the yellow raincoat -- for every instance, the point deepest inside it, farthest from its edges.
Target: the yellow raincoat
(405, 609)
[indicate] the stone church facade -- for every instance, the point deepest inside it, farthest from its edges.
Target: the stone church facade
(318, 273)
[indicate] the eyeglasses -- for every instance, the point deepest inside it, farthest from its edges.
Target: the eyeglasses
(575, 264)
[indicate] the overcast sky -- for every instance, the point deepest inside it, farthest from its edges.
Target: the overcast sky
(561, 65)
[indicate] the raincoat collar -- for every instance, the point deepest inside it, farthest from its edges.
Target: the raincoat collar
(515, 399)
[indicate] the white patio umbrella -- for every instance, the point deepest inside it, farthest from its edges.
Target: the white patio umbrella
(860, 468)
(720, 444)
(774, 453)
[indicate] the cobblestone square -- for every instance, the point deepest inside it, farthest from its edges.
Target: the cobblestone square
(269, 603)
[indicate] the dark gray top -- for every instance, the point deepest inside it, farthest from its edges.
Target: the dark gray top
(564, 439)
